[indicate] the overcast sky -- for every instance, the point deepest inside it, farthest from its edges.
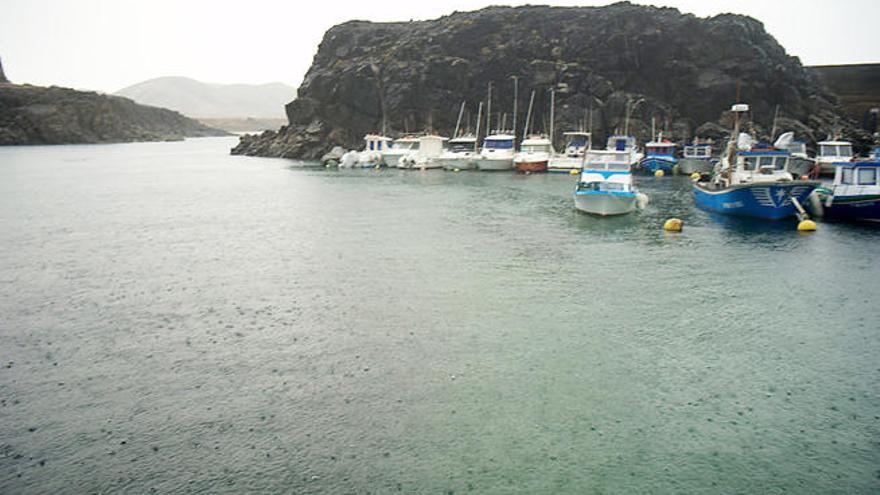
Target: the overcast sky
(109, 44)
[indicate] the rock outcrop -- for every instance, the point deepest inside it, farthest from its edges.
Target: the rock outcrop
(2, 75)
(53, 115)
(857, 86)
(413, 75)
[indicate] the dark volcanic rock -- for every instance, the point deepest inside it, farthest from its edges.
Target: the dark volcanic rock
(37, 115)
(414, 73)
(2, 75)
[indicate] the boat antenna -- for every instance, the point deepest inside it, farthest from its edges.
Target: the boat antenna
(529, 115)
(773, 129)
(653, 130)
(515, 100)
(458, 122)
(479, 118)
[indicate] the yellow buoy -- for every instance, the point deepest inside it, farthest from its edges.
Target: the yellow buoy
(659, 173)
(806, 226)
(456, 170)
(573, 172)
(673, 225)
(695, 176)
(377, 167)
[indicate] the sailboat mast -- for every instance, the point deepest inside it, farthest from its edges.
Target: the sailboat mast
(515, 100)
(529, 115)
(489, 111)
(458, 122)
(479, 118)
(552, 110)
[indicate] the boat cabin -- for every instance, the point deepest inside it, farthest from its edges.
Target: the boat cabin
(607, 160)
(536, 144)
(857, 173)
(498, 142)
(763, 161)
(577, 143)
(698, 151)
(621, 143)
(374, 142)
(431, 145)
(798, 148)
(660, 148)
(835, 150)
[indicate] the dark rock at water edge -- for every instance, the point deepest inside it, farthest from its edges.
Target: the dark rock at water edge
(53, 115)
(415, 73)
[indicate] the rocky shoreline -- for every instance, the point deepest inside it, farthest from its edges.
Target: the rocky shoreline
(54, 115)
(412, 75)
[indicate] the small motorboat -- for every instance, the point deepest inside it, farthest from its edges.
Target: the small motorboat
(497, 152)
(659, 155)
(572, 158)
(854, 195)
(605, 185)
(535, 152)
(696, 158)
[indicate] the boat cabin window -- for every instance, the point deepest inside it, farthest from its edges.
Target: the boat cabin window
(578, 142)
(461, 147)
(749, 163)
(781, 162)
(846, 175)
(536, 148)
(620, 145)
(765, 161)
(499, 144)
(867, 176)
(602, 186)
(696, 151)
(842, 150)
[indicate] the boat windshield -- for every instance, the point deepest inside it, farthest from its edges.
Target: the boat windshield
(696, 151)
(406, 145)
(498, 144)
(660, 150)
(577, 142)
(461, 147)
(866, 176)
(838, 150)
(536, 148)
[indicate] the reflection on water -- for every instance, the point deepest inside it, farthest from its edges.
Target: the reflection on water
(176, 319)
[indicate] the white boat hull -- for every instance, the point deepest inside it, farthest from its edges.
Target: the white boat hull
(495, 163)
(564, 163)
(460, 163)
(605, 204)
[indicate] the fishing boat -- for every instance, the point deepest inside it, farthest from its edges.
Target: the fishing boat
(625, 143)
(696, 158)
(370, 156)
(577, 144)
(497, 152)
(535, 152)
(659, 155)
(831, 152)
(399, 148)
(430, 149)
(605, 186)
(459, 155)
(855, 193)
(752, 182)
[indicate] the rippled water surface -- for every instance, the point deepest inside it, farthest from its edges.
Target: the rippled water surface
(174, 319)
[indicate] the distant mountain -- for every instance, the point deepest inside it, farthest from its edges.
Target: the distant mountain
(205, 100)
(38, 115)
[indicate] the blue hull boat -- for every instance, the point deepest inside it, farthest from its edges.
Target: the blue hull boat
(863, 207)
(652, 164)
(770, 201)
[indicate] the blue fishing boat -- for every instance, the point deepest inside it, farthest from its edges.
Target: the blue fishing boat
(753, 183)
(855, 194)
(659, 155)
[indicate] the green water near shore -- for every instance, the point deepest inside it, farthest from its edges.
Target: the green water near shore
(174, 319)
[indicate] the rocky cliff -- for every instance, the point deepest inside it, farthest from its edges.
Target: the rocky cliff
(414, 75)
(38, 115)
(857, 86)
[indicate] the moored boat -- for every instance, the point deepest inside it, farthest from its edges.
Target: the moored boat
(659, 155)
(855, 193)
(628, 144)
(459, 155)
(696, 158)
(398, 149)
(800, 162)
(497, 152)
(605, 186)
(374, 145)
(572, 158)
(753, 183)
(535, 152)
(430, 148)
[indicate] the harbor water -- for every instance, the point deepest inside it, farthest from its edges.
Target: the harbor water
(177, 320)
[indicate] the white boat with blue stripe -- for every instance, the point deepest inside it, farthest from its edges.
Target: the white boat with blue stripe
(605, 186)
